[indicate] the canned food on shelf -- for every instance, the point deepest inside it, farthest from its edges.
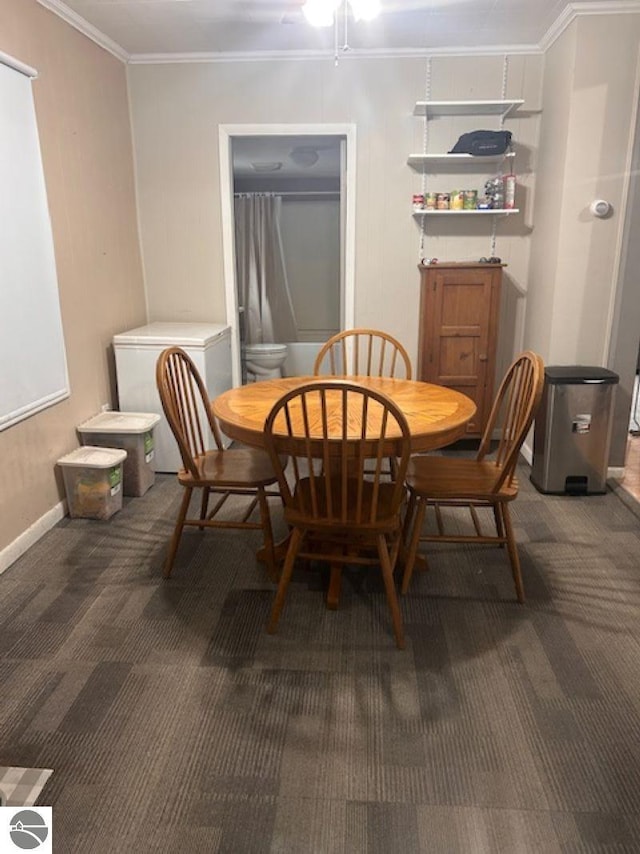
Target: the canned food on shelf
(457, 200)
(470, 200)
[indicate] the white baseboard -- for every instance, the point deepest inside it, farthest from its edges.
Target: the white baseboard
(527, 452)
(19, 546)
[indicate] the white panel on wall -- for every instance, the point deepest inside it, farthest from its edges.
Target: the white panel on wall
(32, 353)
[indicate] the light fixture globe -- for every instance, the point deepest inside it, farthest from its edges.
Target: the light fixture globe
(304, 156)
(365, 10)
(320, 13)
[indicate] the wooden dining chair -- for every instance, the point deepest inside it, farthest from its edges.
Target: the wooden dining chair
(219, 472)
(363, 352)
(336, 512)
(486, 481)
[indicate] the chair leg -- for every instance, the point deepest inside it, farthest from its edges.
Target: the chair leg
(398, 551)
(392, 599)
(287, 570)
(513, 552)
(497, 515)
(418, 519)
(408, 517)
(267, 530)
(204, 506)
(393, 468)
(177, 531)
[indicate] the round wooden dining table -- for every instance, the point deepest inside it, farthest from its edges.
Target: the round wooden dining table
(436, 415)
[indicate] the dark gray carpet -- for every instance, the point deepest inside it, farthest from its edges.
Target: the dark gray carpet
(174, 723)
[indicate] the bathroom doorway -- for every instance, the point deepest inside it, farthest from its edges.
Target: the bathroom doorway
(308, 171)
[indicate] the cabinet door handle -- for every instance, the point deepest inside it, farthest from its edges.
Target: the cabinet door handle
(483, 358)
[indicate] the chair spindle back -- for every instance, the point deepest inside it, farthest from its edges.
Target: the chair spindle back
(185, 400)
(513, 410)
(363, 352)
(328, 454)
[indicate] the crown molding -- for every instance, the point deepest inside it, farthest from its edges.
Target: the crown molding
(78, 22)
(348, 55)
(566, 17)
(606, 7)
(577, 10)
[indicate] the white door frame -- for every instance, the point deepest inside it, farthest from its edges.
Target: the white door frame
(226, 133)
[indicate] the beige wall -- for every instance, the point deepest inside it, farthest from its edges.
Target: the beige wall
(548, 200)
(83, 122)
(589, 94)
(176, 112)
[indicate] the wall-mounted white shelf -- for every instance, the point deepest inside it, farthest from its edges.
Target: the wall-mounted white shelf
(431, 109)
(439, 162)
(423, 161)
(483, 212)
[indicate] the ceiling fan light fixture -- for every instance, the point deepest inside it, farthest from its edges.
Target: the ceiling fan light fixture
(304, 156)
(365, 10)
(319, 13)
(267, 166)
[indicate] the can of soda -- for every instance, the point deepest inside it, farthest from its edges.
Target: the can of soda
(470, 200)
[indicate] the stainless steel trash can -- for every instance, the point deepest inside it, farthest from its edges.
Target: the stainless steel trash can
(572, 434)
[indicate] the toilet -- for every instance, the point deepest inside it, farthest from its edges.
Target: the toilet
(264, 361)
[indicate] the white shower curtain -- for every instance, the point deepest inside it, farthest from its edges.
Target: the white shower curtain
(263, 288)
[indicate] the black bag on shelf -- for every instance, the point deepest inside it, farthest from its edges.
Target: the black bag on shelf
(483, 142)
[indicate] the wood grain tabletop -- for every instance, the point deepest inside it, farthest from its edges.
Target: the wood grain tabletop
(436, 415)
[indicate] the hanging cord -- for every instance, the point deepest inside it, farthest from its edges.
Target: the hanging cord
(503, 96)
(425, 147)
(494, 228)
(425, 132)
(336, 25)
(505, 72)
(345, 46)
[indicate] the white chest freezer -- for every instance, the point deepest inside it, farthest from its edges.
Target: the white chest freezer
(136, 353)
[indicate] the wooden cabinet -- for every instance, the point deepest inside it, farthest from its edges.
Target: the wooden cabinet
(459, 307)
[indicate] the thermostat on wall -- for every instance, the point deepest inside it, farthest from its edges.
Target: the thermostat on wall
(600, 208)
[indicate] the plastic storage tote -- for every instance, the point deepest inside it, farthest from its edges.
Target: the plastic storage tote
(572, 435)
(93, 481)
(133, 432)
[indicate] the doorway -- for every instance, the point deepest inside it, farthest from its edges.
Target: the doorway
(302, 164)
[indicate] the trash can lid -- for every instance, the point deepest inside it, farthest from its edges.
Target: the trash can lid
(90, 456)
(120, 422)
(577, 374)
